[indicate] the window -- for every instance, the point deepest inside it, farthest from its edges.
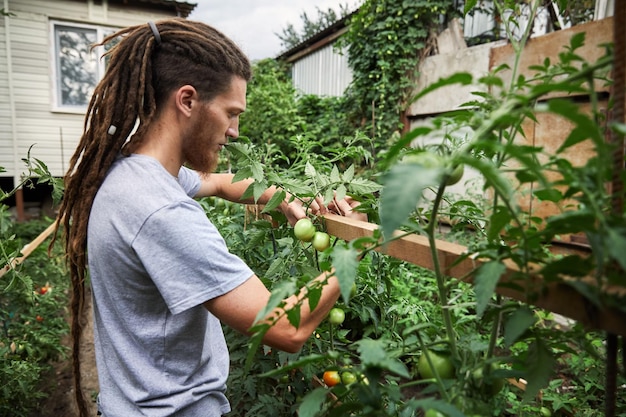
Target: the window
(77, 67)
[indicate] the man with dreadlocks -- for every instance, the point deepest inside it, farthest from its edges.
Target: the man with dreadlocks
(161, 276)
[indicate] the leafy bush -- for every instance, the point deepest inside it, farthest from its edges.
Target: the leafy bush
(32, 311)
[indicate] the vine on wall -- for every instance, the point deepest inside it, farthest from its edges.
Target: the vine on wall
(384, 42)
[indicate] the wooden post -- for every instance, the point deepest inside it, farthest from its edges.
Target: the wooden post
(19, 205)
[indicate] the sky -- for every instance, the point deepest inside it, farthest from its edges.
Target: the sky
(253, 24)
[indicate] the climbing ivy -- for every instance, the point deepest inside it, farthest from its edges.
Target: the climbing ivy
(385, 41)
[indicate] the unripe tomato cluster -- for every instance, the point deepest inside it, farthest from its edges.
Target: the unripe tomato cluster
(305, 231)
(332, 377)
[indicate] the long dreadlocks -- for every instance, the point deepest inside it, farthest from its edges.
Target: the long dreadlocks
(145, 64)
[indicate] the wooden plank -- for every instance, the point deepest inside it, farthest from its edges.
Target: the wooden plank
(557, 297)
(28, 249)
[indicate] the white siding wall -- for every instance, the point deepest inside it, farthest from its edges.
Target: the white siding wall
(27, 117)
(324, 72)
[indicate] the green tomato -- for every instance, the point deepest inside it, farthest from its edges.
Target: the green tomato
(321, 241)
(441, 363)
(490, 385)
(336, 316)
(348, 378)
(433, 413)
(545, 412)
(304, 229)
(425, 158)
(456, 175)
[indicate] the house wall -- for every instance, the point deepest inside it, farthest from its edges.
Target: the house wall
(324, 72)
(27, 116)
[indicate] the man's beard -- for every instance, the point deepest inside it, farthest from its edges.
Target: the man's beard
(201, 160)
(197, 150)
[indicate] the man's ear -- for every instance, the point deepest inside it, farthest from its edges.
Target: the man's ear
(185, 98)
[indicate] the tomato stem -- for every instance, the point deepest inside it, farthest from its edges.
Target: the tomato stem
(441, 284)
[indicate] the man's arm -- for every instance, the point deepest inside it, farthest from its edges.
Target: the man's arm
(239, 308)
(222, 186)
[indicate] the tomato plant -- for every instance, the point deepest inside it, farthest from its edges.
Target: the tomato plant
(393, 304)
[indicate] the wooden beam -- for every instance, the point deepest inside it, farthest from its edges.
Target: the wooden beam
(557, 297)
(28, 249)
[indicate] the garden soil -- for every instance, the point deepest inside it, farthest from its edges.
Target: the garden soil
(59, 383)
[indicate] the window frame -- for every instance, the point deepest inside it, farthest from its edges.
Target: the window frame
(101, 32)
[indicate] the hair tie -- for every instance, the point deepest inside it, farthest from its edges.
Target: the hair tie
(155, 32)
(112, 130)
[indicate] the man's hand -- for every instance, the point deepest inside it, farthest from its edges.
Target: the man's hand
(297, 209)
(345, 207)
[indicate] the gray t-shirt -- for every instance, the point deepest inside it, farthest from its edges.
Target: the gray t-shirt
(154, 258)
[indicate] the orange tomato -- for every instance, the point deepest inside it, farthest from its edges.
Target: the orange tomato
(332, 378)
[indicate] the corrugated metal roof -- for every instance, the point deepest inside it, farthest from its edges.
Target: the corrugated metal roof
(318, 40)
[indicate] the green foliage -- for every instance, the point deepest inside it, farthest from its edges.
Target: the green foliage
(33, 323)
(400, 310)
(271, 117)
(32, 303)
(385, 41)
(281, 120)
(313, 147)
(290, 37)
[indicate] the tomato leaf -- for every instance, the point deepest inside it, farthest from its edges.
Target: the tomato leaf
(348, 174)
(340, 192)
(275, 201)
(334, 174)
(404, 185)
(485, 282)
(346, 264)
(257, 171)
(293, 314)
(499, 219)
(363, 186)
(539, 366)
(309, 170)
(616, 243)
(258, 188)
(520, 321)
(373, 353)
(242, 173)
(314, 293)
(312, 403)
(551, 194)
(275, 268)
